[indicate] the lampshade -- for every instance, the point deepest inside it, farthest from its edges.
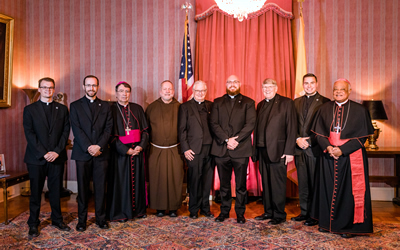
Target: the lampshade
(376, 109)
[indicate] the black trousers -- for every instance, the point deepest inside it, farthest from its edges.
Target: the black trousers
(200, 174)
(273, 176)
(305, 165)
(37, 177)
(85, 170)
(239, 166)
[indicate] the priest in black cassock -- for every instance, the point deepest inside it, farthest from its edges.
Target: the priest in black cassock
(342, 127)
(127, 188)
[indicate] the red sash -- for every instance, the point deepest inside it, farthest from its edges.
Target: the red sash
(357, 177)
(134, 136)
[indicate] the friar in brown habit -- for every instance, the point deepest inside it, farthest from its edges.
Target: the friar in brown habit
(165, 162)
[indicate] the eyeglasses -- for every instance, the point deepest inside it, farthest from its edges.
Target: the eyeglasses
(230, 82)
(124, 91)
(91, 85)
(200, 91)
(269, 86)
(48, 88)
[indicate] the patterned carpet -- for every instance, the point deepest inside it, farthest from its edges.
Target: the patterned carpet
(185, 233)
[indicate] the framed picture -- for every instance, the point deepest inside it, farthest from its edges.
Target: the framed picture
(2, 164)
(6, 55)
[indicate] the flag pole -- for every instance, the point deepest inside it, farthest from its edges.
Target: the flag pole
(186, 76)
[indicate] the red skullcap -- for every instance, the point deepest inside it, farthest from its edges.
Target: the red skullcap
(343, 80)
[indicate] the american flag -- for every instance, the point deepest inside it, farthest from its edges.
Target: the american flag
(186, 78)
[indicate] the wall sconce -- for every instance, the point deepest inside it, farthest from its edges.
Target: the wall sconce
(31, 93)
(377, 112)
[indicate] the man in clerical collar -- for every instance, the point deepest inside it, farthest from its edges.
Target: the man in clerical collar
(91, 122)
(274, 144)
(165, 162)
(195, 138)
(342, 127)
(126, 183)
(46, 126)
(232, 122)
(307, 150)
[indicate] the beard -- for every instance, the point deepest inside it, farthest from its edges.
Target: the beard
(233, 93)
(93, 94)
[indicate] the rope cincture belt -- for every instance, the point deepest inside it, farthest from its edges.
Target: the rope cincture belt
(164, 147)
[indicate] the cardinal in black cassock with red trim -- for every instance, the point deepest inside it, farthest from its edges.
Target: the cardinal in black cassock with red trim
(127, 187)
(343, 204)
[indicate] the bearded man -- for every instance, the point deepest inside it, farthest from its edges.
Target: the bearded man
(232, 121)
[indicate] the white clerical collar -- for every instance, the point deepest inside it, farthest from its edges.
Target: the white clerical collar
(308, 96)
(47, 103)
(197, 101)
(123, 105)
(91, 100)
(232, 96)
(268, 100)
(340, 104)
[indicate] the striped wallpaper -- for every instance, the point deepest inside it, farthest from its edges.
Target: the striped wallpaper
(140, 42)
(136, 41)
(358, 40)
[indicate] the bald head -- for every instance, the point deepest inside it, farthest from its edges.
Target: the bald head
(233, 85)
(341, 90)
(167, 91)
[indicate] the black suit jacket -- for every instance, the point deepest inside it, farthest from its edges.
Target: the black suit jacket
(240, 122)
(280, 128)
(43, 138)
(190, 128)
(88, 131)
(304, 125)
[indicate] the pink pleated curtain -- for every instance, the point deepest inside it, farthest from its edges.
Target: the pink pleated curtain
(257, 48)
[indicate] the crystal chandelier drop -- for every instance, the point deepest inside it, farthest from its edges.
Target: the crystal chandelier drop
(240, 8)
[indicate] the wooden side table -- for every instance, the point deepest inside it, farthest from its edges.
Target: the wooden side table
(14, 178)
(393, 181)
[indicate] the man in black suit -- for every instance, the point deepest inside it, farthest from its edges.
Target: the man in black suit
(195, 138)
(307, 149)
(46, 126)
(275, 136)
(232, 121)
(92, 123)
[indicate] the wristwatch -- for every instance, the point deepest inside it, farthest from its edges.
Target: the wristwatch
(226, 140)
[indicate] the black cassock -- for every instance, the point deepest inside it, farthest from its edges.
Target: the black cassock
(126, 185)
(334, 202)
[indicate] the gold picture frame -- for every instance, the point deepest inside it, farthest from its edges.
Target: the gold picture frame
(2, 164)
(6, 59)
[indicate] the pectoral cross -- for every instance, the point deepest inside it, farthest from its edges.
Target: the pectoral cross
(127, 130)
(337, 128)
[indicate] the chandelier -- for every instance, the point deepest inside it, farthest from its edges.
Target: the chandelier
(240, 8)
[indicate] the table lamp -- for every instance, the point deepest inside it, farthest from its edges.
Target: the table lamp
(377, 112)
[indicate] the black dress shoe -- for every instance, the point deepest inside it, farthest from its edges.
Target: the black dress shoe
(33, 231)
(263, 217)
(80, 227)
(276, 221)
(207, 214)
(142, 216)
(311, 222)
(61, 226)
(160, 213)
(221, 217)
(193, 216)
(173, 213)
(122, 220)
(103, 225)
(300, 217)
(347, 236)
(322, 230)
(241, 220)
